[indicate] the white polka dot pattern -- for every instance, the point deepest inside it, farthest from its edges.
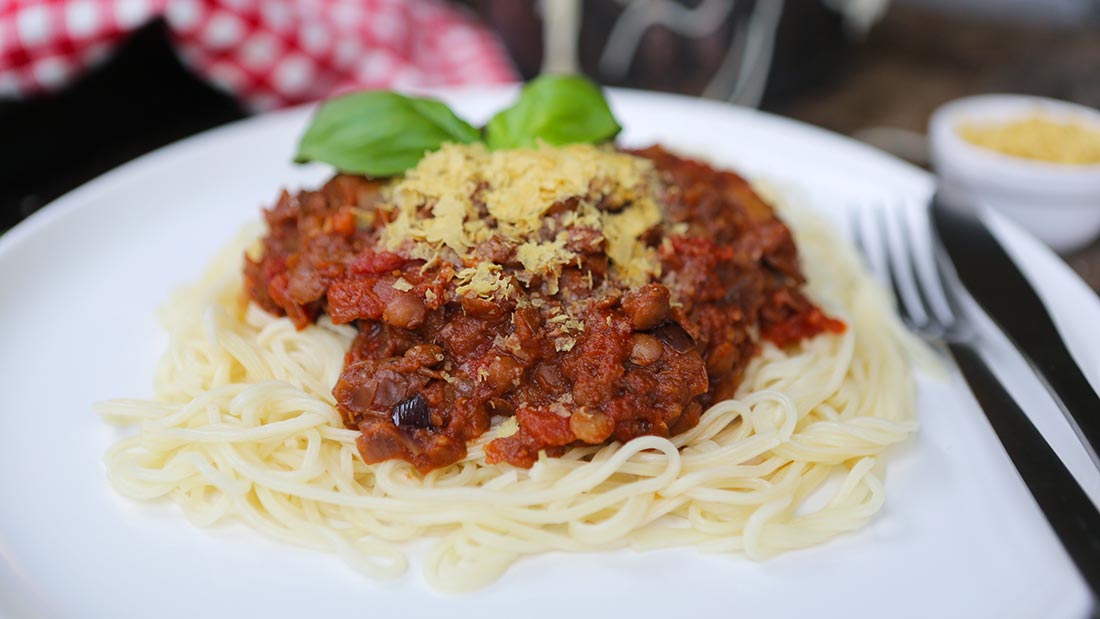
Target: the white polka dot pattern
(269, 53)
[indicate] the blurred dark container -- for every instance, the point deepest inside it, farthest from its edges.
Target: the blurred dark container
(811, 47)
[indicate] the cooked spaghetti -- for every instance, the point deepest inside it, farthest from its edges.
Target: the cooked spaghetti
(244, 426)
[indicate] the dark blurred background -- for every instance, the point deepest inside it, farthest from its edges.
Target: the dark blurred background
(873, 69)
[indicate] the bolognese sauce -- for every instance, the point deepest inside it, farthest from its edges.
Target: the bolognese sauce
(594, 295)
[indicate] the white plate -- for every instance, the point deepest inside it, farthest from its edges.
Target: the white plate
(959, 536)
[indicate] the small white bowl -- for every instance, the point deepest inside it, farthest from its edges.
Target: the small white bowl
(1059, 203)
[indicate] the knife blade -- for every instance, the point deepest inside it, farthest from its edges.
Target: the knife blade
(1071, 514)
(996, 283)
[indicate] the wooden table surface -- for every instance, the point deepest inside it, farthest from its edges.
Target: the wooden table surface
(915, 60)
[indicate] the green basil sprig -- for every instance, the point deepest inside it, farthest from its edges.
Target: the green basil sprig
(557, 110)
(382, 133)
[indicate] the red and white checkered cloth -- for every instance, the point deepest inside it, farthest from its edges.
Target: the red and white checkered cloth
(269, 53)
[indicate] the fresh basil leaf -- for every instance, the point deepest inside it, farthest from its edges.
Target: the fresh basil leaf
(556, 109)
(380, 133)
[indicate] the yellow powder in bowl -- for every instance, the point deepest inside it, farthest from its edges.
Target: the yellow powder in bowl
(1037, 138)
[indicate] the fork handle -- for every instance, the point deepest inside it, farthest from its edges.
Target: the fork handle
(1070, 512)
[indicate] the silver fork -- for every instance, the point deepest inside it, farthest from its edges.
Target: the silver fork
(928, 299)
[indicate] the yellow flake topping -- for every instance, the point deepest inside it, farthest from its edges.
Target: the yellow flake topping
(482, 281)
(462, 195)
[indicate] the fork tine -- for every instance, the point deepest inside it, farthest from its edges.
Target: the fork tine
(868, 240)
(900, 270)
(869, 234)
(931, 279)
(929, 276)
(948, 281)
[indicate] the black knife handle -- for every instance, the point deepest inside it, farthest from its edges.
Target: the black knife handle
(996, 283)
(1070, 388)
(1070, 512)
